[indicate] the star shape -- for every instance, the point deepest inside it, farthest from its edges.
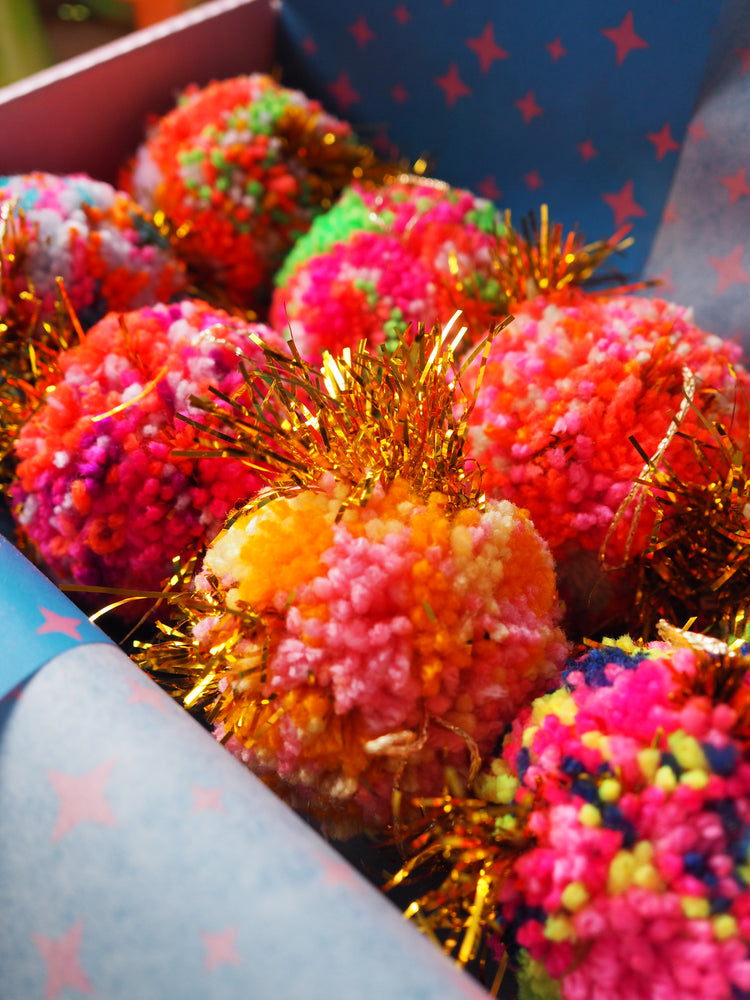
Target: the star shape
(361, 31)
(452, 85)
(663, 280)
(669, 214)
(147, 694)
(587, 150)
(729, 270)
(401, 13)
(82, 799)
(343, 91)
(382, 142)
(309, 46)
(207, 800)
(555, 49)
(736, 185)
(663, 141)
(744, 57)
(335, 870)
(55, 623)
(623, 204)
(533, 180)
(63, 966)
(528, 107)
(399, 93)
(489, 189)
(624, 38)
(697, 130)
(221, 948)
(486, 48)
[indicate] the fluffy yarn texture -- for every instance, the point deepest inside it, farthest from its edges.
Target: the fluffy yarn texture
(636, 793)
(396, 637)
(104, 246)
(240, 168)
(99, 495)
(567, 385)
(381, 258)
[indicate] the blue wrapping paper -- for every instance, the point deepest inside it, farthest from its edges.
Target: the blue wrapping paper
(628, 113)
(37, 621)
(139, 859)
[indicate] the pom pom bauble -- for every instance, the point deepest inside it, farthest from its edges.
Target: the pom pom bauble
(410, 251)
(367, 625)
(635, 788)
(104, 247)
(396, 635)
(570, 386)
(99, 496)
(240, 168)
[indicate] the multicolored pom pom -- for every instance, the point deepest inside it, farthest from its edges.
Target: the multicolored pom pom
(407, 252)
(100, 496)
(108, 252)
(579, 395)
(635, 788)
(367, 626)
(240, 168)
(397, 635)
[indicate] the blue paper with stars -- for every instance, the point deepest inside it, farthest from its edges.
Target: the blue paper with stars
(37, 621)
(629, 114)
(140, 861)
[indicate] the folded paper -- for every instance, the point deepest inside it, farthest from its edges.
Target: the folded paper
(139, 859)
(37, 621)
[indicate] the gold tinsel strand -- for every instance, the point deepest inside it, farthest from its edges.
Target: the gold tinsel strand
(366, 419)
(696, 563)
(542, 259)
(332, 163)
(28, 349)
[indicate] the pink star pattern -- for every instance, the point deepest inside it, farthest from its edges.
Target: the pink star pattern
(486, 48)
(663, 141)
(309, 46)
(207, 800)
(82, 799)
(533, 180)
(587, 150)
(624, 38)
(729, 270)
(60, 956)
(147, 694)
(736, 185)
(669, 215)
(744, 57)
(56, 623)
(399, 93)
(401, 13)
(337, 871)
(361, 31)
(221, 948)
(697, 131)
(623, 204)
(555, 49)
(452, 85)
(343, 91)
(489, 189)
(664, 281)
(528, 107)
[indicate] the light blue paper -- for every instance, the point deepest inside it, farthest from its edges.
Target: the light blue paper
(140, 861)
(37, 621)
